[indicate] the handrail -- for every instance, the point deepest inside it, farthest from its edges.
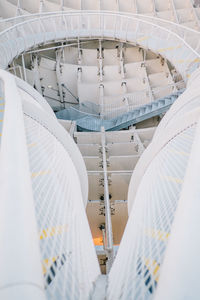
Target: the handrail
(128, 15)
(76, 98)
(144, 33)
(157, 21)
(99, 11)
(93, 123)
(116, 108)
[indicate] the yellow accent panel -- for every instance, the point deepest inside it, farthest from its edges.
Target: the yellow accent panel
(158, 234)
(35, 174)
(173, 179)
(49, 232)
(165, 49)
(169, 48)
(142, 38)
(31, 145)
(156, 269)
(188, 137)
(181, 61)
(1, 104)
(178, 152)
(1, 110)
(153, 268)
(47, 262)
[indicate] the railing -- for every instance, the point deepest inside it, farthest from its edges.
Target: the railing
(128, 102)
(140, 98)
(14, 70)
(70, 92)
(184, 32)
(181, 48)
(89, 122)
(178, 28)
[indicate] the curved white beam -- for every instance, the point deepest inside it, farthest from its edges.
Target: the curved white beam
(153, 149)
(46, 116)
(43, 220)
(34, 94)
(180, 271)
(182, 114)
(20, 260)
(138, 264)
(185, 103)
(52, 125)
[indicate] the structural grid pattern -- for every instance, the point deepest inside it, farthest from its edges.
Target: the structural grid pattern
(69, 260)
(135, 273)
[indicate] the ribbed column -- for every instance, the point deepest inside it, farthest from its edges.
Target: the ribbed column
(21, 271)
(180, 271)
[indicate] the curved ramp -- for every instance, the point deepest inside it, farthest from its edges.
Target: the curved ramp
(30, 32)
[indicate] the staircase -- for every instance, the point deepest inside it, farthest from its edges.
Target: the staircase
(86, 122)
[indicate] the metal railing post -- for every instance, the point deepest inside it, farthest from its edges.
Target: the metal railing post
(108, 221)
(24, 68)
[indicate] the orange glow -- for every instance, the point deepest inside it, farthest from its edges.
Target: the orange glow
(98, 241)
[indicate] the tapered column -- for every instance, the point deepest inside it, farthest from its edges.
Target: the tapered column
(21, 269)
(180, 271)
